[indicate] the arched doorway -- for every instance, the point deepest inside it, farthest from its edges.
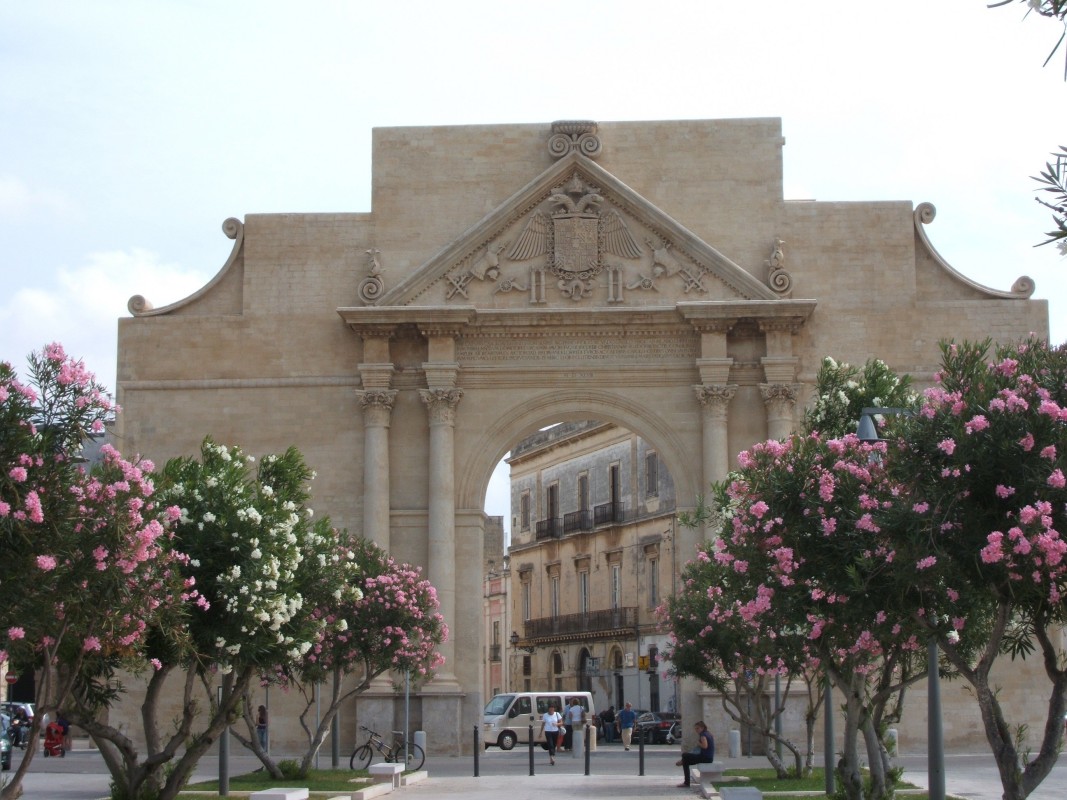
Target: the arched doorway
(585, 671)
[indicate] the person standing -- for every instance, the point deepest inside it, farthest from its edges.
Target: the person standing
(626, 720)
(550, 724)
(607, 722)
(64, 724)
(575, 723)
(261, 727)
(703, 753)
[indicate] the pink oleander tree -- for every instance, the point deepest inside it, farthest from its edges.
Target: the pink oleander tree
(90, 567)
(743, 615)
(715, 638)
(379, 617)
(984, 464)
(803, 527)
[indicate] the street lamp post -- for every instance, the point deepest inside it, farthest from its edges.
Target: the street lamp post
(935, 738)
(514, 639)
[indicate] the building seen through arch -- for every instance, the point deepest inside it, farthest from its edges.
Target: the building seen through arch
(592, 545)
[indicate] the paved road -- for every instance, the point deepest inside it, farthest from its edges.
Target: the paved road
(82, 776)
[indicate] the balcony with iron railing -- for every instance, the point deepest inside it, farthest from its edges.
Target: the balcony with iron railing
(494, 652)
(587, 624)
(584, 521)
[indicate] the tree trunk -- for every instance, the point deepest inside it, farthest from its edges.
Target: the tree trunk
(252, 742)
(233, 691)
(1017, 779)
(850, 769)
(875, 764)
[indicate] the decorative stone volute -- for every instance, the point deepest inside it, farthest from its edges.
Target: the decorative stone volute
(580, 135)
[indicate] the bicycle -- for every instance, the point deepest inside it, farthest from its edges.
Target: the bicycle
(394, 753)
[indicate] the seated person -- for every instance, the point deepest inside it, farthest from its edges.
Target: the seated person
(703, 753)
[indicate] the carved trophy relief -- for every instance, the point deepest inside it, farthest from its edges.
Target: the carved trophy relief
(665, 264)
(486, 267)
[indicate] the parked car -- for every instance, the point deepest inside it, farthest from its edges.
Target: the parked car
(659, 727)
(5, 742)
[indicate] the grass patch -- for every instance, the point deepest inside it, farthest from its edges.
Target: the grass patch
(317, 780)
(766, 780)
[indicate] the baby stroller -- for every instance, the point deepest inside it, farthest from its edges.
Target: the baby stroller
(53, 740)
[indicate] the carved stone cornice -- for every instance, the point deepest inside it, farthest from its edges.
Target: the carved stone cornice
(377, 405)
(450, 330)
(713, 325)
(377, 331)
(441, 403)
(781, 325)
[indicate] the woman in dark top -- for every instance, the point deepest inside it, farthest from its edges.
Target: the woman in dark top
(703, 753)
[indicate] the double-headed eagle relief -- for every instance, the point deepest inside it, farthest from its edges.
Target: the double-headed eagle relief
(574, 234)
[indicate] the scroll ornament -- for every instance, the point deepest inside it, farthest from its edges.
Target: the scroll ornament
(372, 287)
(780, 281)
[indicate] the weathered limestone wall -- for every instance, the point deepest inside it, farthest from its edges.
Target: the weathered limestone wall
(273, 351)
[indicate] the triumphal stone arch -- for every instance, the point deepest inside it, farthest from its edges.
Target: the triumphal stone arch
(508, 277)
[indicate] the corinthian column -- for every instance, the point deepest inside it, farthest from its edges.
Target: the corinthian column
(715, 400)
(441, 405)
(780, 399)
(377, 405)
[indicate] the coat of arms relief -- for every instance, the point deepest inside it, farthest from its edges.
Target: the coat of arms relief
(573, 243)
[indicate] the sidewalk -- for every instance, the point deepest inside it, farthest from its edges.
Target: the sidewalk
(81, 775)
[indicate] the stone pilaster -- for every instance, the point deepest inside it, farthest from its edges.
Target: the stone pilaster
(377, 405)
(715, 401)
(441, 556)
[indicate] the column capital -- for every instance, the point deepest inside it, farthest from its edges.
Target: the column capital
(441, 403)
(377, 405)
(715, 398)
(780, 399)
(778, 393)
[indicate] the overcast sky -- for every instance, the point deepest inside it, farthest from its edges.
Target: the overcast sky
(130, 130)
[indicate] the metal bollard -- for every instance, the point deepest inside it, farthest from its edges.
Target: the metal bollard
(587, 736)
(477, 748)
(641, 751)
(531, 741)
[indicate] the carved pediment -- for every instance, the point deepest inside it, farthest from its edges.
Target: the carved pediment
(575, 236)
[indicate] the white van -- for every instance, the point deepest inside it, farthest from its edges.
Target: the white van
(508, 717)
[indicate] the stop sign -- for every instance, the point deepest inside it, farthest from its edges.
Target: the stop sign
(12, 678)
